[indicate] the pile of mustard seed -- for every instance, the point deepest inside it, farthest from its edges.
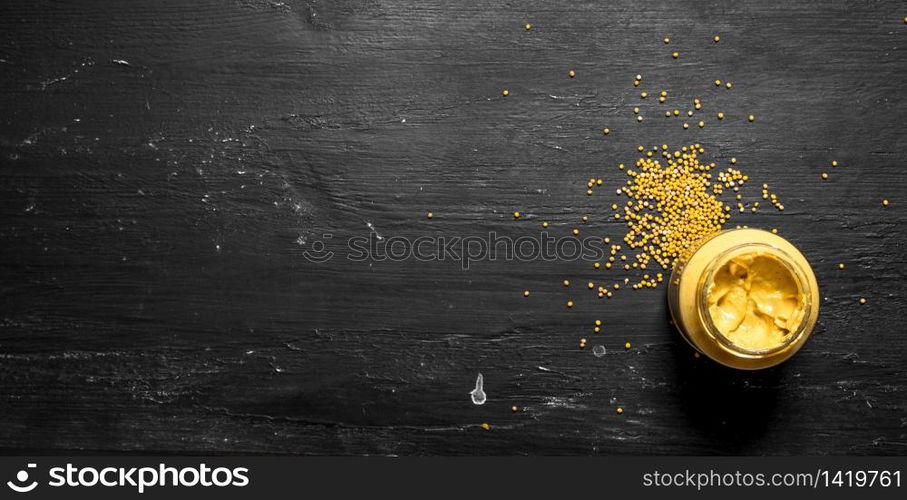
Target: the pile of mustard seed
(673, 203)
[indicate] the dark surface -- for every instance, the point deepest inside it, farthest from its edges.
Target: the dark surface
(165, 165)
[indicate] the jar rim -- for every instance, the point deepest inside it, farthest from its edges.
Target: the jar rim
(707, 280)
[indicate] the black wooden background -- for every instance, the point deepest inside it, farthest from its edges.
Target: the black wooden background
(165, 165)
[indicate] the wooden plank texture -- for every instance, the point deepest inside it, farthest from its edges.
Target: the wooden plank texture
(166, 165)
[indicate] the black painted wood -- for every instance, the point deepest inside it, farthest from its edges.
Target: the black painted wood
(165, 165)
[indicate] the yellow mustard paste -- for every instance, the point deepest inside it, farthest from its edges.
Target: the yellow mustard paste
(755, 301)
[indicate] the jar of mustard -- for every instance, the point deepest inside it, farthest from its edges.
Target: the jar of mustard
(746, 298)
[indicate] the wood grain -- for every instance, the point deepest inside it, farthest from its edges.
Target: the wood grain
(165, 165)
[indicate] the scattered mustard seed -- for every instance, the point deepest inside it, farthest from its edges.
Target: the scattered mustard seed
(575, 232)
(720, 115)
(627, 345)
(430, 215)
(486, 426)
(717, 83)
(751, 118)
(675, 55)
(566, 282)
(716, 38)
(569, 303)
(643, 94)
(667, 40)
(597, 265)
(514, 408)
(885, 202)
(606, 131)
(841, 266)
(729, 85)
(686, 125)
(862, 300)
(505, 92)
(598, 322)
(591, 285)
(824, 176)
(639, 118)
(545, 224)
(571, 73)
(516, 215)
(834, 163)
(619, 410)
(701, 124)
(528, 26)
(525, 293)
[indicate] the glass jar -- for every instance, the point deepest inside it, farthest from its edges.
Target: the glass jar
(712, 289)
